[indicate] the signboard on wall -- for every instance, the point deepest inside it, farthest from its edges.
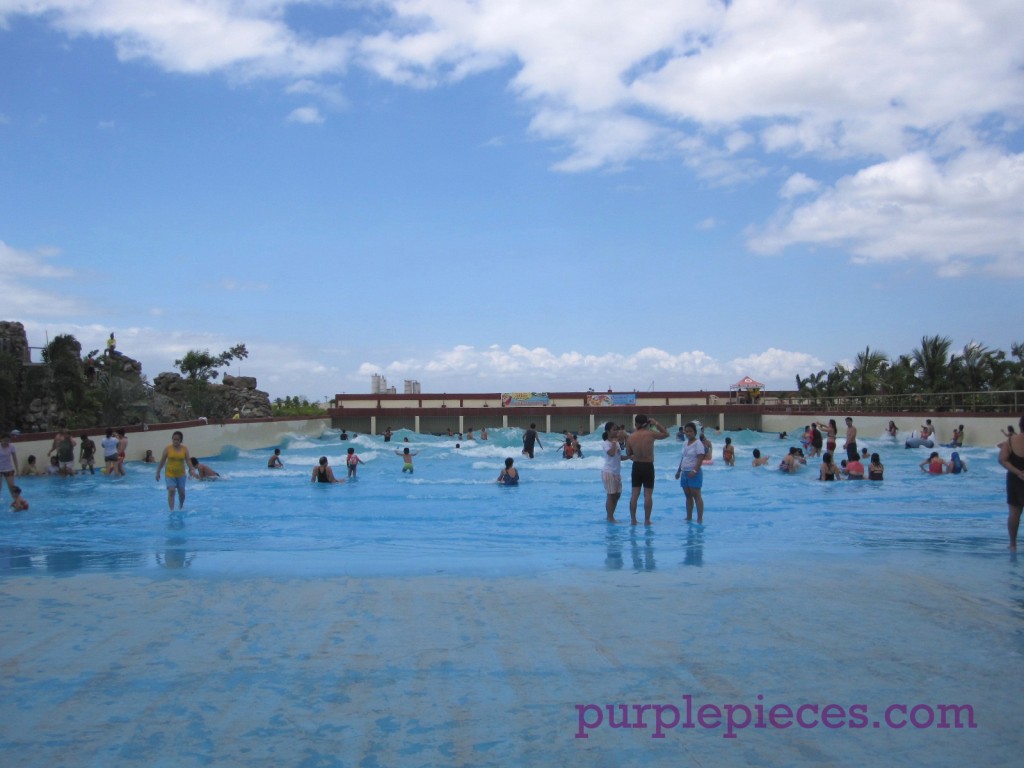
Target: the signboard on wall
(514, 399)
(602, 400)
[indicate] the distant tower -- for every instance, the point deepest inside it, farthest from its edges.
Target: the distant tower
(412, 387)
(378, 385)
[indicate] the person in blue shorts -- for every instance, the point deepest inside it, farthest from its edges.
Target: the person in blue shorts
(691, 474)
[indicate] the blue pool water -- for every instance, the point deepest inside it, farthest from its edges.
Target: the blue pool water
(451, 517)
(443, 620)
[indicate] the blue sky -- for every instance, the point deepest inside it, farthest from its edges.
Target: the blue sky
(512, 196)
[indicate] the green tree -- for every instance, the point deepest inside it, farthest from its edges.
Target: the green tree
(932, 364)
(202, 366)
(199, 368)
(898, 377)
(868, 372)
(119, 400)
(67, 379)
(977, 369)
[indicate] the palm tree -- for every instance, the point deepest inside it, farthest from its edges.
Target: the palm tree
(977, 369)
(811, 387)
(932, 363)
(867, 373)
(898, 377)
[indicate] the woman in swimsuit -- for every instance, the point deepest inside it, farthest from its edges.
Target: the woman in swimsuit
(509, 475)
(933, 465)
(729, 453)
(830, 436)
(828, 470)
(322, 473)
(875, 468)
(891, 429)
(1011, 456)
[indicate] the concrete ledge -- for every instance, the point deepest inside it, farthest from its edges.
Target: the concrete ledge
(203, 439)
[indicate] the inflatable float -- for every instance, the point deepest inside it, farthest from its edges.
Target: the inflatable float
(919, 442)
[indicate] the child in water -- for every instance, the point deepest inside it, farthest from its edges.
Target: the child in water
(352, 462)
(405, 454)
(18, 503)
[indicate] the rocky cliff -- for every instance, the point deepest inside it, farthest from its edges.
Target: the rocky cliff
(107, 390)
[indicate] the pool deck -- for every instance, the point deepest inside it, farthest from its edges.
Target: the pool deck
(174, 668)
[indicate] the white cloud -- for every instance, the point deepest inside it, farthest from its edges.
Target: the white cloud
(306, 115)
(329, 94)
(466, 368)
(967, 211)
(22, 270)
(775, 365)
(197, 36)
(798, 184)
(725, 88)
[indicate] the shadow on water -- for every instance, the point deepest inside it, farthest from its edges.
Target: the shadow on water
(641, 547)
(694, 545)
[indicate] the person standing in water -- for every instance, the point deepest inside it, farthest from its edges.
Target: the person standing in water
(611, 471)
(640, 450)
(352, 461)
(529, 438)
(691, 472)
(1011, 456)
(9, 468)
(177, 459)
(407, 456)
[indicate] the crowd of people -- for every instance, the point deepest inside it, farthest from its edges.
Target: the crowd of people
(617, 445)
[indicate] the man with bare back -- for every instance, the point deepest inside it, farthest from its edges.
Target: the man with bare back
(640, 450)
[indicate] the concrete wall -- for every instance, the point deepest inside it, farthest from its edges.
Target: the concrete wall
(203, 440)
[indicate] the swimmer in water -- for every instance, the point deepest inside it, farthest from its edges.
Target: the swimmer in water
(509, 475)
(322, 473)
(203, 471)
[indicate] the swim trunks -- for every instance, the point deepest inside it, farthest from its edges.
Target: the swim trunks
(642, 474)
(407, 468)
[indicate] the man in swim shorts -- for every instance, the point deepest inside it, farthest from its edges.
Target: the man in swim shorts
(640, 450)
(851, 440)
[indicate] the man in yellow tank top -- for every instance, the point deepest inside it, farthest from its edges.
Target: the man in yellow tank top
(178, 461)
